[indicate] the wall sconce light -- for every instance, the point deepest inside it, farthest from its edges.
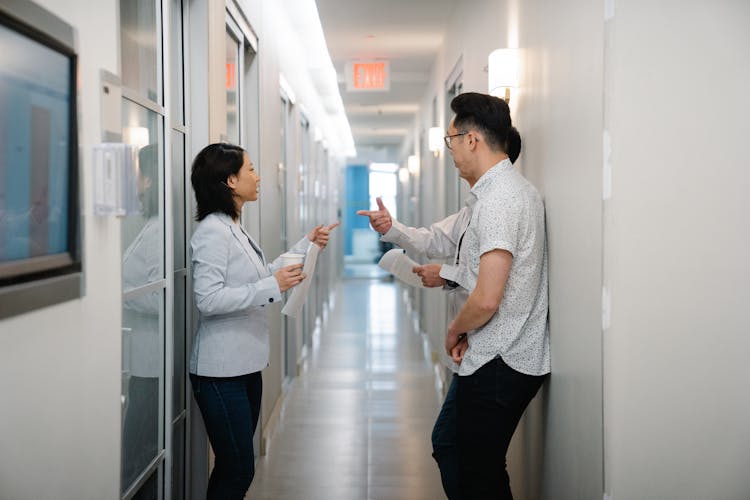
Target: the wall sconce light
(502, 69)
(435, 140)
(403, 175)
(412, 163)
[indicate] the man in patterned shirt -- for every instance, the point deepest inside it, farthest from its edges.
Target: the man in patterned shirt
(500, 335)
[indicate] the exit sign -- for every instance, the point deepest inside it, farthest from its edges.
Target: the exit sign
(368, 76)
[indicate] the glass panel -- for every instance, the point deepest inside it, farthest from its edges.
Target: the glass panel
(177, 100)
(178, 386)
(150, 489)
(232, 82)
(178, 461)
(138, 41)
(178, 198)
(285, 139)
(143, 234)
(142, 369)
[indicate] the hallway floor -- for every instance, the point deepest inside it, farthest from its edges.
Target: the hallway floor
(356, 424)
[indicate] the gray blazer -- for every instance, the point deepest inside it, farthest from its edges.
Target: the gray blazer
(232, 284)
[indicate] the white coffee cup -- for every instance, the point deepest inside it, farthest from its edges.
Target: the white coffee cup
(288, 259)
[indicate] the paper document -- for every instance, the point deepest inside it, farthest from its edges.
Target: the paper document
(398, 264)
(298, 296)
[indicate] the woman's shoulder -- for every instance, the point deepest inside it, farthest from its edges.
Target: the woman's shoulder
(212, 226)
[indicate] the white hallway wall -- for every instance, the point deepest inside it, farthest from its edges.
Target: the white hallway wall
(60, 366)
(653, 407)
(676, 238)
(559, 113)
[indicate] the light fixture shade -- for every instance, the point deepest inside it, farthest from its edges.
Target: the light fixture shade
(502, 71)
(137, 136)
(403, 175)
(435, 139)
(412, 163)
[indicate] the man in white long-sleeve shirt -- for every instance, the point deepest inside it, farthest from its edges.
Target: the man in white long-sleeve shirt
(499, 336)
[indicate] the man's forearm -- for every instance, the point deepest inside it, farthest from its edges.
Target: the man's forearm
(471, 316)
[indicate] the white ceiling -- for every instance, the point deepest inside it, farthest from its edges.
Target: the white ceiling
(407, 33)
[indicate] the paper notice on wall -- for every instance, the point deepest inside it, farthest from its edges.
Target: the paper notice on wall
(398, 264)
(296, 300)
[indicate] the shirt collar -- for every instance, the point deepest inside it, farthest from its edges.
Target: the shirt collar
(488, 178)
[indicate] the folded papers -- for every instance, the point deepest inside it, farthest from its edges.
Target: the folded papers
(398, 264)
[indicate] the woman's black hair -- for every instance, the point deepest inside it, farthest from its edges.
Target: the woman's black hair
(490, 115)
(211, 169)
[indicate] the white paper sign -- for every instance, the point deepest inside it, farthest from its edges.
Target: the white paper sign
(398, 264)
(296, 300)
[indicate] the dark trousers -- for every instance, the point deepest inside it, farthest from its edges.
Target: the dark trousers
(489, 404)
(444, 442)
(231, 408)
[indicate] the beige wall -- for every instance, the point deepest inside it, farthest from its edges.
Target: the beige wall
(60, 366)
(676, 408)
(559, 114)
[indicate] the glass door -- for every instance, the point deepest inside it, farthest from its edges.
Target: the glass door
(144, 283)
(289, 357)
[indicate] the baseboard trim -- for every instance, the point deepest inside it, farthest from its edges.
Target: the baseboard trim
(270, 426)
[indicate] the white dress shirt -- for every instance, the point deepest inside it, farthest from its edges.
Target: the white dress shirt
(504, 211)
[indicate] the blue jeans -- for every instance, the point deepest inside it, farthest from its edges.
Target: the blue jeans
(231, 408)
(489, 404)
(444, 442)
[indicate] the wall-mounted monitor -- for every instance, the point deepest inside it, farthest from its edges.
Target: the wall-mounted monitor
(40, 258)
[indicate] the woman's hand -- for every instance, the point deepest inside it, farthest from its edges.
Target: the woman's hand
(430, 274)
(288, 277)
(320, 234)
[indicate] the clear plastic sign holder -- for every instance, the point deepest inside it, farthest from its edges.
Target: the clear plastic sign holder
(115, 179)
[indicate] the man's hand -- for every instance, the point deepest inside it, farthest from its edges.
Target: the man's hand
(452, 339)
(320, 234)
(380, 219)
(430, 274)
(457, 353)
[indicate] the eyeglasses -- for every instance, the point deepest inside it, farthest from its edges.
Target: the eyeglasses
(448, 138)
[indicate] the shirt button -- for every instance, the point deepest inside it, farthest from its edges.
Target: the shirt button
(270, 300)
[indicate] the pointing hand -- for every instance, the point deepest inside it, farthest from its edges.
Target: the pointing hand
(380, 219)
(320, 234)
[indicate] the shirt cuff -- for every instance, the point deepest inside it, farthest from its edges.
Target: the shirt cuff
(267, 291)
(394, 233)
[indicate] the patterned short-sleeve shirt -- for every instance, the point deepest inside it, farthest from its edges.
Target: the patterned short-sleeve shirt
(508, 214)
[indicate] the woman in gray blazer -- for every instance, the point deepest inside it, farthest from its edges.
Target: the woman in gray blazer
(233, 283)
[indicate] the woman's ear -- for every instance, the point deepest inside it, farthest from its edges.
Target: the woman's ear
(231, 181)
